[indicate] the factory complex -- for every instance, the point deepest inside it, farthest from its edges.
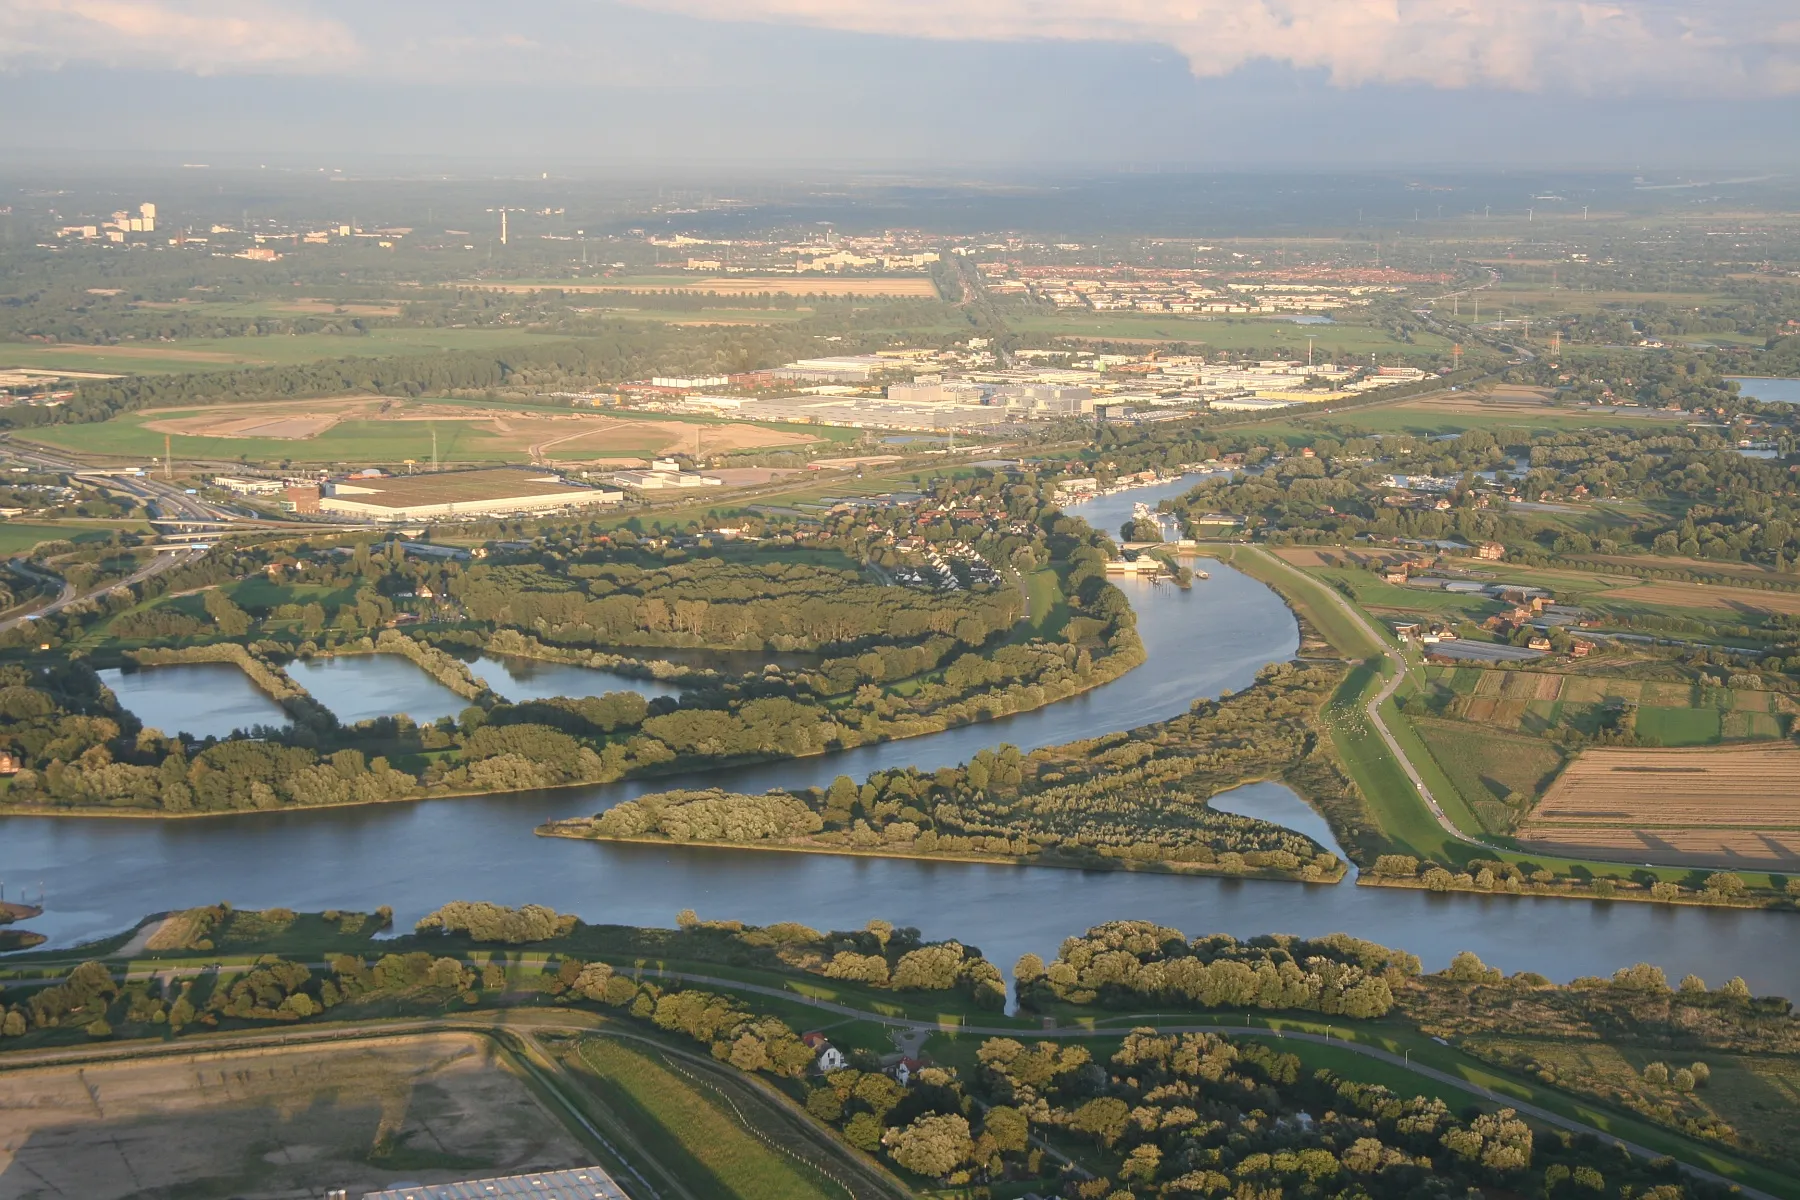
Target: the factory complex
(492, 492)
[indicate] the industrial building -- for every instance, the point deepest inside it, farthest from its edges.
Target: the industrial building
(582, 1183)
(492, 492)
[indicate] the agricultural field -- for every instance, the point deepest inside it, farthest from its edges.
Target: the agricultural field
(914, 286)
(1498, 774)
(1731, 808)
(211, 354)
(274, 1123)
(387, 430)
(1667, 712)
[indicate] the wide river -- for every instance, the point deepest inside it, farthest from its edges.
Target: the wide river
(99, 876)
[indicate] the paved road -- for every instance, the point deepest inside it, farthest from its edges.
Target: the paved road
(69, 595)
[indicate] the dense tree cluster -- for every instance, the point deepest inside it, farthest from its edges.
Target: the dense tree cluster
(1133, 963)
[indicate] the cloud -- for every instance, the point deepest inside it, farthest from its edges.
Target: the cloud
(202, 36)
(1586, 46)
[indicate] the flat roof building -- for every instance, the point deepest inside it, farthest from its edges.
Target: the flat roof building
(582, 1183)
(496, 491)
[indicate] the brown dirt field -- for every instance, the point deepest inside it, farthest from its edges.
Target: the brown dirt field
(1749, 850)
(535, 434)
(738, 285)
(1299, 556)
(274, 1124)
(1700, 595)
(1738, 805)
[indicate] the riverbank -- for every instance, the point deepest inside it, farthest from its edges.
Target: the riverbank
(579, 829)
(1574, 888)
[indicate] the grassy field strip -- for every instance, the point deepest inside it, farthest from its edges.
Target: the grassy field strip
(712, 1156)
(538, 1078)
(751, 1128)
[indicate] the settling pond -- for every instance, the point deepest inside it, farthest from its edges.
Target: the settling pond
(100, 876)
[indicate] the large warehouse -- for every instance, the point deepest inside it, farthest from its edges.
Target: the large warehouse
(498, 491)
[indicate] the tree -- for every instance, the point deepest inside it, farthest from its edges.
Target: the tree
(1008, 1127)
(1104, 1118)
(863, 1130)
(934, 1145)
(825, 1105)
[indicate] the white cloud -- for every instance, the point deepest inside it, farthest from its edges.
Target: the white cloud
(1665, 48)
(204, 36)
(1589, 46)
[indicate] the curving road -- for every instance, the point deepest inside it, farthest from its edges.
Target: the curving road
(157, 565)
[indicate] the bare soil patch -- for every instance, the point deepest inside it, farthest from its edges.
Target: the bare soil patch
(1705, 595)
(274, 1123)
(1738, 806)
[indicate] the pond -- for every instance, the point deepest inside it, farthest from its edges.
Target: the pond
(199, 699)
(361, 687)
(522, 679)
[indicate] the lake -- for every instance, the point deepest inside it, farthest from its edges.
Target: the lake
(99, 876)
(199, 699)
(522, 679)
(1784, 391)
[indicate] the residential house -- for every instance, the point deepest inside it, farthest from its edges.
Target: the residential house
(826, 1057)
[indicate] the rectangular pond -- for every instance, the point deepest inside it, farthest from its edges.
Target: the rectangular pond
(522, 679)
(199, 699)
(361, 687)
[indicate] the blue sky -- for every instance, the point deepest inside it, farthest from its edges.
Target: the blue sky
(858, 83)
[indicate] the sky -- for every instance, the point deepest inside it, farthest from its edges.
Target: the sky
(1635, 84)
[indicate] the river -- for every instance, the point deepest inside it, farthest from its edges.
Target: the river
(99, 876)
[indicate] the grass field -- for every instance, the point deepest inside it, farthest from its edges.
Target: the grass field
(213, 354)
(1359, 340)
(19, 536)
(1487, 766)
(390, 431)
(1757, 1096)
(1667, 712)
(686, 1129)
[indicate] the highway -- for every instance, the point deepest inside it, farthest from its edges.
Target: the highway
(69, 595)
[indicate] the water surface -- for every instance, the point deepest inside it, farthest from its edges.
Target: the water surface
(201, 699)
(1784, 391)
(522, 679)
(361, 687)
